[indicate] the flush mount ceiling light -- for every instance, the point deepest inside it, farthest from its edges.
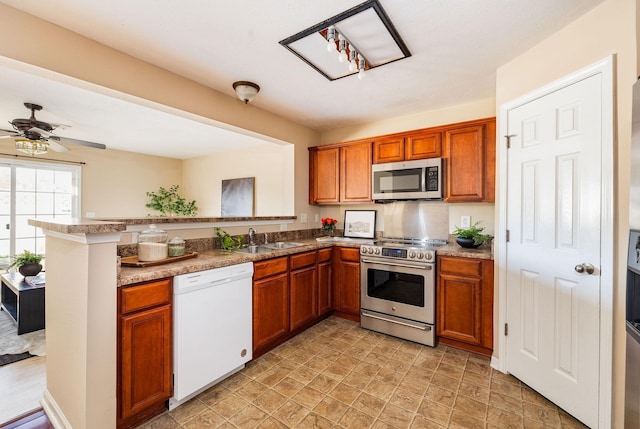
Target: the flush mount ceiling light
(246, 91)
(358, 39)
(31, 147)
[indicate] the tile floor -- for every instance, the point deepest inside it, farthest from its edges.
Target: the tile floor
(338, 375)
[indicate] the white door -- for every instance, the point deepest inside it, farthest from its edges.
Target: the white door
(553, 218)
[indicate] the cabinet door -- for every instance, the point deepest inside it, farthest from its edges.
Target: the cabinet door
(459, 308)
(324, 175)
(355, 172)
(324, 273)
(346, 296)
(470, 158)
(465, 163)
(423, 145)
(270, 310)
(146, 353)
(303, 293)
(389, 149)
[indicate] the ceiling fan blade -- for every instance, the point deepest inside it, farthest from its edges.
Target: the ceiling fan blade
(55, 146)
(40, 131)
(78, 142)
(10, 132)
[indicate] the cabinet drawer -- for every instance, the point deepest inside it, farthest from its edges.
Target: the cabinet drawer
(324, 255)
(145, 295)
(349, 254)
(302, 259)
(270, 267)
(461, 266)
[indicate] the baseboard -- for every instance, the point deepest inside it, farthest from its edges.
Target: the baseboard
(53, 411)
(495, 363)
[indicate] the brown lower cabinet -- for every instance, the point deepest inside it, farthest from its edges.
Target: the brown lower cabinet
(292, 293)
(346, 283)
(465, 303)
(144, 364)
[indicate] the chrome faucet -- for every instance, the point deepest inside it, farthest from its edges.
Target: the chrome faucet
(266, 238)
(252, 236)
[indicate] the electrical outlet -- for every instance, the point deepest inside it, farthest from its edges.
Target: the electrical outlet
(317, 217)
(283, 227)
(91, 214)
(465, 221)
(303, 218)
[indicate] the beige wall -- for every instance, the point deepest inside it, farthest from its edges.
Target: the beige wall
(606, 30)
(271, 165)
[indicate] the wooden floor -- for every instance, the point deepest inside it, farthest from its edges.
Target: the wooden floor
(37, 419)
(21, 387)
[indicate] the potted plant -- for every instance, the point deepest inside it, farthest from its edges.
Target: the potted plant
(169, 202)
(329, 224)
(28, 263)
(471, 237)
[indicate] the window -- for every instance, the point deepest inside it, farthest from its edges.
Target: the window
(33, 190)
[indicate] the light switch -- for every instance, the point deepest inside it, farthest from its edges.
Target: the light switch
(465, 221)
(303, 218)
(91, 214)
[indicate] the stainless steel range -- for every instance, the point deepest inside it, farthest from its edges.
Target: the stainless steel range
(398, 273)
(397, 293)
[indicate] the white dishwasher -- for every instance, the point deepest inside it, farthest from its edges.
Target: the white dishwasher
(212, 328)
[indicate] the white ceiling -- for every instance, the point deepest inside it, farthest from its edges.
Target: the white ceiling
(456, 47)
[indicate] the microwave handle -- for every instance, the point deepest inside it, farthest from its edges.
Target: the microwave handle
(424, 180)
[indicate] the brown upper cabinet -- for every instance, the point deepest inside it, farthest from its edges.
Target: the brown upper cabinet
(469, 157)
(340, 173)
(407, 146)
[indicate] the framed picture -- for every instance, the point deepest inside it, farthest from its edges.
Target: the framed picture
(237, 197)
(360, 223)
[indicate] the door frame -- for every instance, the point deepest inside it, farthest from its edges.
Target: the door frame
(605, 68)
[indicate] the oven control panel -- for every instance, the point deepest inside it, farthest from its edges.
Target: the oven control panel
(406, 253)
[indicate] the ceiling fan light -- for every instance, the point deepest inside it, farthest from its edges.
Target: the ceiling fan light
(246, 91)
(31, 147)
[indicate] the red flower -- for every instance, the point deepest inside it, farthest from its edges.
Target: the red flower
(329, 223)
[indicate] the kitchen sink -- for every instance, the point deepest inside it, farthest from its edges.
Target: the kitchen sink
(270, 247)
(282, 245)
(253, 249)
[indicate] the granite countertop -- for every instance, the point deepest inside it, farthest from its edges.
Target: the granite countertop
(217, 258)
(453, 249)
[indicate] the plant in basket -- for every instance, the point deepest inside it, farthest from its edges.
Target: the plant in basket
(471, 237)
(28, 263)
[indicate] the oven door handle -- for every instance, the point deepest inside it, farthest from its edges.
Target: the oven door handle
(410, 325)
(395, 264)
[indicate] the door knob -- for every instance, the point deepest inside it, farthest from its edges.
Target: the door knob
(582, 268)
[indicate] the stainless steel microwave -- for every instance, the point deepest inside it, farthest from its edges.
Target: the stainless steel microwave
(408, 180)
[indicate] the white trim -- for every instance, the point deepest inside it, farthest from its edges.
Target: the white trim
(94, 238)
(604, 67)
(53, 411)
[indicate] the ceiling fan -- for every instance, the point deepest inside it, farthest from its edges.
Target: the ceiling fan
(36, 136)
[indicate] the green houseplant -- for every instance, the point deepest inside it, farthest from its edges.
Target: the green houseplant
(169, 202)
(227, 242)
(28, 263)
(471, 237)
